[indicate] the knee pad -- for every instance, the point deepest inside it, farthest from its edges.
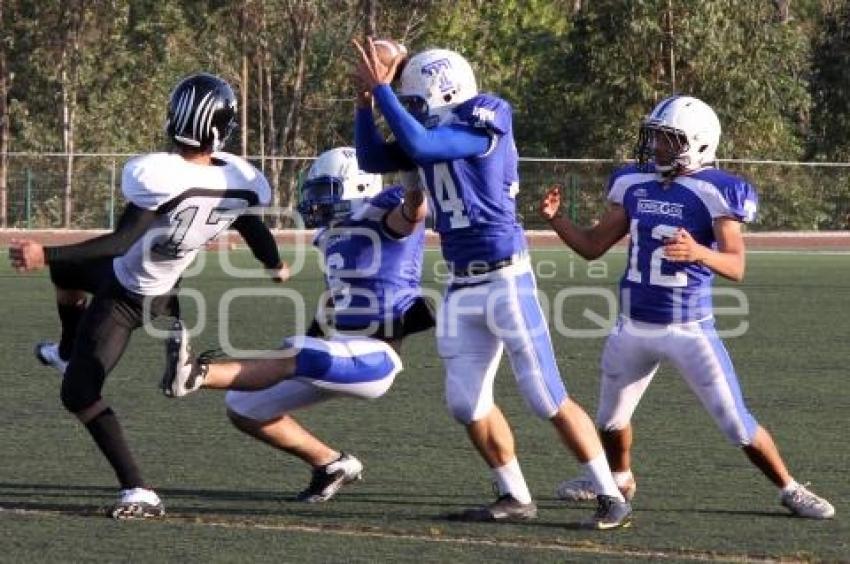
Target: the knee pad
(313, 359)
(77, 392)
(543, 392)
(738, 426)
(741, 435)
(465, 409)
(355, 366)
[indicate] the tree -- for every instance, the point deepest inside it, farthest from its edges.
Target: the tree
(5, 80)
(829, 137)
(513, 47)
(733, 55)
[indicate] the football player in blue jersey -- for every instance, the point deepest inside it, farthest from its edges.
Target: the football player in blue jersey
(462, 143)
(683, 218)
(372, 245)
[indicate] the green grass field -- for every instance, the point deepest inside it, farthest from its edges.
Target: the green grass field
(227, 496)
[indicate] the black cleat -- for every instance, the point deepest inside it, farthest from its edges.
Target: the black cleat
(506, 508)
(611, 513)
(328, 479)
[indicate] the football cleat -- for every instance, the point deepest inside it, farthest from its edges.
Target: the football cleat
(805, 503)
(328, 479)
(136, 503)
(183, 374)
(47, 353)
(611, 513)
(581, 489)
(505, 508)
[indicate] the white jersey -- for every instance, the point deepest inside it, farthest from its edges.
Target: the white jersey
(193, 203)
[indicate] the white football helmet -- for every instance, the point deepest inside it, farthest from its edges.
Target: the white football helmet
(433, 82)
(689, 126)
(335, 186)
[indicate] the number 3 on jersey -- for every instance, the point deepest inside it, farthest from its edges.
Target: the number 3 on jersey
(656, 277)
(340, 291)
(447, 198)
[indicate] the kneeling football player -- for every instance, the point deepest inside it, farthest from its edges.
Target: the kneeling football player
(372, 244)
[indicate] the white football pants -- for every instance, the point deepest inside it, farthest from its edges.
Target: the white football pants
(340, 366)
(476, 323)
(633, 353)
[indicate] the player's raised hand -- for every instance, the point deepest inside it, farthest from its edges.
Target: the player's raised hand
(370, 69)
(550, 204)
(26, 255)
(682, 247)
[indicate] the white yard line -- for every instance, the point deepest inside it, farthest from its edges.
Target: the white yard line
(563, 547)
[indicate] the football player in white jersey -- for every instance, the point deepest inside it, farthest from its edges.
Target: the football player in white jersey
(177, 202)
(372, 245)
(684, 220)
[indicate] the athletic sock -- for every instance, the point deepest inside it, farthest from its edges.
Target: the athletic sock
(509, 480)
(599, 472)
(623, 478)
(790, 486)
(69, 316)
(106, 432)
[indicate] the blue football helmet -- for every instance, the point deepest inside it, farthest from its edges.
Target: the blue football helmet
(335, 187)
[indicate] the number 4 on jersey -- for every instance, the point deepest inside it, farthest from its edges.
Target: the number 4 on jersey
(447, 197)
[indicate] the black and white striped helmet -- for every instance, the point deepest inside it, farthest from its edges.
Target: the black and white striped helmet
(201, 112)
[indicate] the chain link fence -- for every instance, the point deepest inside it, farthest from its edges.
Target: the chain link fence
(793, 196)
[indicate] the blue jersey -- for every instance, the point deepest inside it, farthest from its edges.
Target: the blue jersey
(473, 199)
(372, 276)
(656, 290)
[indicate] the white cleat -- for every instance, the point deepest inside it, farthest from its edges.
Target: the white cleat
(47, 353)
(136, 503)
(805, 503)
(581, 489)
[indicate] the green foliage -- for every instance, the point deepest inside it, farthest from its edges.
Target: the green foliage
(830, 85)
(731, 54)
(579, 82)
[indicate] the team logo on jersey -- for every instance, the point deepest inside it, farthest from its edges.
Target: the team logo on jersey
(640, 193)
(656, 207)
(483, 116)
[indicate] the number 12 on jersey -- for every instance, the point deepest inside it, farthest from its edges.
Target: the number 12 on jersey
(656, 277)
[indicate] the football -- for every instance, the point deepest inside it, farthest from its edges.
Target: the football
(388, 51)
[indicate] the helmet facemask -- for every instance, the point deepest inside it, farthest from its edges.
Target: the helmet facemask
(679, 136)
(321, 201)
(335, 188)
(667, 148)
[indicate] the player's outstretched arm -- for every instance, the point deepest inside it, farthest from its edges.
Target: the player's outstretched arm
(438, 144)
(420, 144)
(374, 154)
(729, 260)
(592, 242)
(27, 255)
(262, 244)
